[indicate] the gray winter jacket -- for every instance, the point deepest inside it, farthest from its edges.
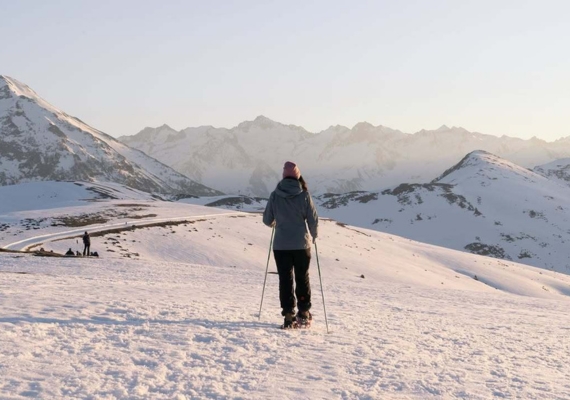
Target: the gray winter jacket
(288, 208)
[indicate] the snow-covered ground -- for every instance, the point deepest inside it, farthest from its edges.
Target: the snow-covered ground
(172, 312)
(34, 213)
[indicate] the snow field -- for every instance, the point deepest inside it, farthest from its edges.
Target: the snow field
(180, 321)
(241, 241)
(24, 228)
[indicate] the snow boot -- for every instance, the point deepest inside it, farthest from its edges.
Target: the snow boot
(304, 319)
(289, 322)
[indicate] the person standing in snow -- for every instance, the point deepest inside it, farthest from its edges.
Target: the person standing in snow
(290, 209)
(86, 244)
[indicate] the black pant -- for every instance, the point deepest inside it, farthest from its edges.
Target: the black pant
(288, 261)
(86, 249)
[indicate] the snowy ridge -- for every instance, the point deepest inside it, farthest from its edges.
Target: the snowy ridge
(48, 195)
(246, 160)
(484, 204)
(485, 163)
(239, 203)
(40, 142)
(20, 89)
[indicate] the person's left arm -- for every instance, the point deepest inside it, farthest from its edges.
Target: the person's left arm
(312, 218)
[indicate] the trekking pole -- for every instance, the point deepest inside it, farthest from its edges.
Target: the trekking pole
(322, 290)
(266, 269)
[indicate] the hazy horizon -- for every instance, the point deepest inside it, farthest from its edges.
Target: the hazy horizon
(497, 69)
(332, 125)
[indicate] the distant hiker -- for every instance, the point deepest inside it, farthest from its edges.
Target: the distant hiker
(86, 243)
(290, 209)
(70, 253)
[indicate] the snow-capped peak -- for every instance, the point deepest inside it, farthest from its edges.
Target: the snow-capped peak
(472, 165)
(16, 87)
(363, 126)
(260, 122)
(473, 159)
(40, 142)
(261, 119)
(12, 88)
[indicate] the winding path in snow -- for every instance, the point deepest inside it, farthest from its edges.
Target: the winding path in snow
(36, 240)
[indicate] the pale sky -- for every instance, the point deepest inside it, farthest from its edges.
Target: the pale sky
(496, 67)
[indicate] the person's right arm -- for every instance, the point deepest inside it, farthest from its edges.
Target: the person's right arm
(268, 217)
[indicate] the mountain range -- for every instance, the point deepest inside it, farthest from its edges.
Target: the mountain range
(248, 158)
(40, 142)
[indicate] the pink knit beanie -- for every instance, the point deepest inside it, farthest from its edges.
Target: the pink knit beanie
(290, 169)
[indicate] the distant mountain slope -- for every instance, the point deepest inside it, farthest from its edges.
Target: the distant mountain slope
(247, 159)
(47, 195)
(232, 159)
(484, 204)
(557, 170)
(40, 142)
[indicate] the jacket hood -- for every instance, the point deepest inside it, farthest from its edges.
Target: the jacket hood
(288, 188)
